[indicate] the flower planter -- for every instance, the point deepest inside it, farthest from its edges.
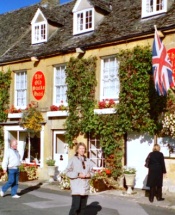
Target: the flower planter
(99, 185)
(51, 173)
(130, 180)
(57, 113)
(105, 111)
(23, 177)
(14, 115)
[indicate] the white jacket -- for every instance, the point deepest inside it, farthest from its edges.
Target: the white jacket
(79, 186)
(11, 159)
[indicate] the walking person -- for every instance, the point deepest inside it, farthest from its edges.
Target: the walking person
(156, 168)
(10, 165)
(79, 170)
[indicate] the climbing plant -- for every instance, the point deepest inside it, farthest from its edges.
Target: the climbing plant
(139, 105)
(81, 84)
(5, 81)
(138, 110)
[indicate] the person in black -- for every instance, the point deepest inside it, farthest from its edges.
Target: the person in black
(156, 166)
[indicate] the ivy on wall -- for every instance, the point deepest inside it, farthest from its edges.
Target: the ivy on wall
(138, 110)
(5, 81)
(81, 84)
(81, 81)
(139, 105)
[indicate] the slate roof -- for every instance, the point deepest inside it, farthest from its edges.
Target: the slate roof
(119, 24)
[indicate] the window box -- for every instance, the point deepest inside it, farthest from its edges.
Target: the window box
(14, 115)
(105, 111)
(57, 113)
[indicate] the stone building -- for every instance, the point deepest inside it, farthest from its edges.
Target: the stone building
(37, 42)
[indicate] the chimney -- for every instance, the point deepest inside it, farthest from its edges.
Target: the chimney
(49, 3)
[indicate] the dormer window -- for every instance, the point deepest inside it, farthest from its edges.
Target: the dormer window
(39, 28)
(84, 21)
(153, 7)
(39, 33)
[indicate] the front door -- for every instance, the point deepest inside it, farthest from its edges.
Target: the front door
(60, 150)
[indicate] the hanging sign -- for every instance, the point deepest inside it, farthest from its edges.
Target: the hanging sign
(171, 54)
(38, 85)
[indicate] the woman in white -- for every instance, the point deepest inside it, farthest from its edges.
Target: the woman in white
(79, 170)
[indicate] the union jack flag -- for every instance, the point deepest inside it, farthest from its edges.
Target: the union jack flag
(162, 68)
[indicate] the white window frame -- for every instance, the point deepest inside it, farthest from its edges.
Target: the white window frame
(152, 7)
(20, 85)
(37, 32)
(116, 92)
(96, 153)
(76, 21)
(62, 86)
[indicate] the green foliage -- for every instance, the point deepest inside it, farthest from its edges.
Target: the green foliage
(5, 81)
(32, 120)
(139, 105)
(81, 88)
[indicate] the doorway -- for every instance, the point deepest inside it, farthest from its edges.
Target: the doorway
(60, 150)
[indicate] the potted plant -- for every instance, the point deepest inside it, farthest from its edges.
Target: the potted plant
(106, 103)
(106, 106)
(99, 181)
(64, 182)
(27, 172)
(31, 120)
(129, 174)
(51, 168)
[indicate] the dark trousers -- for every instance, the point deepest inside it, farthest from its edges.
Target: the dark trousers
(155, 191)
(78, 205)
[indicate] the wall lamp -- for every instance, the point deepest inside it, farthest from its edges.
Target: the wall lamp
(80, 50)
(34, 59)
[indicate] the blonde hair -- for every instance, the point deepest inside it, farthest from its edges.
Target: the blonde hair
(156, 147)
(78, 145)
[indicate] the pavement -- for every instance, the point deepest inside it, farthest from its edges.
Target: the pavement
(138, 195)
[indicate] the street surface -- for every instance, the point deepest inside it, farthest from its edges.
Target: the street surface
(39, 201)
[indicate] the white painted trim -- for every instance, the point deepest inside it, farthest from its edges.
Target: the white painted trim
(57, 113)
(19, 128)
(76, 6)
(105, 111)
(15, 115)
(154, 12)
(15, 91)
(38, 12)
(75, 21)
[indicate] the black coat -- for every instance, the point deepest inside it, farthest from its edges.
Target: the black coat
(156, 165)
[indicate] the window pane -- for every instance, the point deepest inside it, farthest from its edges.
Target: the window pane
(159, 5)
(21, 89)
(60, 85)
(36, 33)
(80, 21)
(88, 19)
(95, 151)
(43, 32)
(110, 79)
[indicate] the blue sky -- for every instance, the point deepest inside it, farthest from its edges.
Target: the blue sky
(10, 5)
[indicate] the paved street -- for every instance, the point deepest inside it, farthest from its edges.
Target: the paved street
(37, 200)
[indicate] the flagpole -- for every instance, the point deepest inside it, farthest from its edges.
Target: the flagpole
(155, 27)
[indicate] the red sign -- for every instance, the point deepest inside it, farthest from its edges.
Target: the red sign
(171, 54)
(38, 85)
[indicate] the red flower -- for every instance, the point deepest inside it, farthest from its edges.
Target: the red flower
(106, 103)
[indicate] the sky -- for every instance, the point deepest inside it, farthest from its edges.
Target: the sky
(10, 5)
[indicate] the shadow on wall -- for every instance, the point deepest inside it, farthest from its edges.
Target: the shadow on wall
(143, 138)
